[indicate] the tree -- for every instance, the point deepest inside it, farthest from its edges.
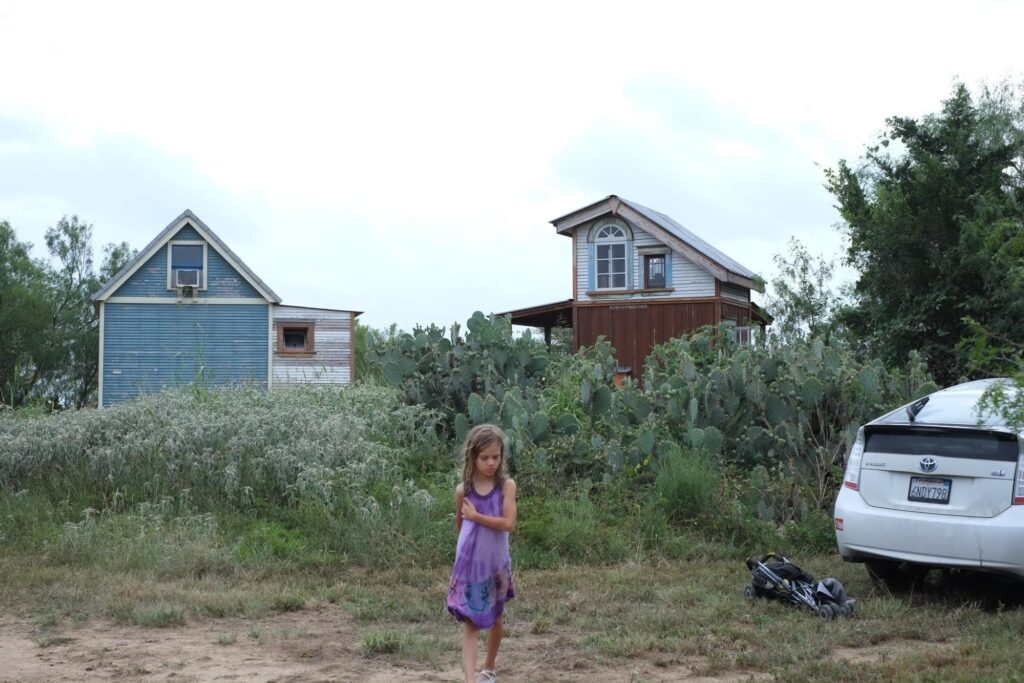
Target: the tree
(936, 230)
(1003, 358)
(73, 377)
(50, 350)
(802, 301)
(24, 304)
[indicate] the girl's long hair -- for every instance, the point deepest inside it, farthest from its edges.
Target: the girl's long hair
(479, 438)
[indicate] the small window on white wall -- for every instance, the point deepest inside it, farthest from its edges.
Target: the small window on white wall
(654, 271)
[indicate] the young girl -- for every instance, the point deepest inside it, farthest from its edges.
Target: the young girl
(485, 511)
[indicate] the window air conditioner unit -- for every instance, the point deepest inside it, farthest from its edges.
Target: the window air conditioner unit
(186, 277)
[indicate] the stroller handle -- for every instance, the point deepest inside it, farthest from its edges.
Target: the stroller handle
(754, 561)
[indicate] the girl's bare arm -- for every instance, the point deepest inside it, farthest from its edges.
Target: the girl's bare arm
(460, 496)
(507, 521)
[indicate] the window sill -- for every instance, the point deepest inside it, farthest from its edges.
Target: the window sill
(296, 354)
(620, 292)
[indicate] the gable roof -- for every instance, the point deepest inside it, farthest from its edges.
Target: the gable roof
(187, 217)
(669, 231)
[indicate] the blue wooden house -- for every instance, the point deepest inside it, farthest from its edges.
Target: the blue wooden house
(186, 310)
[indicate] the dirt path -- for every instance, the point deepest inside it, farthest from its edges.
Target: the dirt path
(316, 644)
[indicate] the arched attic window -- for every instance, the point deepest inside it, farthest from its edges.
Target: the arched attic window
(611, 256)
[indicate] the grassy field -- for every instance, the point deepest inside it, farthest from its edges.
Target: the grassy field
(650, 621)
(304, 536)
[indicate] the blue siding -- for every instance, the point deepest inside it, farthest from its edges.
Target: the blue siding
(631, 279)
(188, 233)
(148, 347)
(221, 279)
(149, 280)
(592, 268)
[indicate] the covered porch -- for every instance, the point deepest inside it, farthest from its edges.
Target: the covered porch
(545, 316)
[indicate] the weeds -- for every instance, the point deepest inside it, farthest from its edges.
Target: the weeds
(148, 615)
(227, 639)
(288, 602)
(51, 641)
(383, 642)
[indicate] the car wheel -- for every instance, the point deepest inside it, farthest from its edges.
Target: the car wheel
(895, 575)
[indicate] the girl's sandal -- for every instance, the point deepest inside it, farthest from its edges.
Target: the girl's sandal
(486, 676)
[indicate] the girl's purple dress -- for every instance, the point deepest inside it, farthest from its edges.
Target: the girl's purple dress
(482, 576)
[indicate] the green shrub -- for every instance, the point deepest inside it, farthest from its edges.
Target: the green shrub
(570, 528)
(240, 450)
(813, 534)
(265, 543)
(687, 485)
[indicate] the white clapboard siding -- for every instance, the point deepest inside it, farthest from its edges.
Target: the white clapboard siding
(688, 278)
(331, 360)
(284, 376)
(582, 263)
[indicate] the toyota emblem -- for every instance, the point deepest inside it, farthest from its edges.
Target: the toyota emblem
(928, 464)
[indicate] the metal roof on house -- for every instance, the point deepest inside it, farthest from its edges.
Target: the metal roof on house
(565, 224)
(165, 236)
(557, 314)
(682, 233)
(321, 308)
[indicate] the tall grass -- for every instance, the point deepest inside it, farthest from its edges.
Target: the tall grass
(239, 477)
(235, 450)
(177, 484)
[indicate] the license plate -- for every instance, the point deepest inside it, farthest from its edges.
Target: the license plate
(929, 490)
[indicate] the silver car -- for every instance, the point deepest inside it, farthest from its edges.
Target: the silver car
(934, 483)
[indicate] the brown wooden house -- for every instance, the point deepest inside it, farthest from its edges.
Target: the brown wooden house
(640, 279)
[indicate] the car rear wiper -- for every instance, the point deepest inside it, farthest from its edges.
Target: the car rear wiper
(914, 408)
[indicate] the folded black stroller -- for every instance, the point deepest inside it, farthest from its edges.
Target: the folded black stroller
(774, 576)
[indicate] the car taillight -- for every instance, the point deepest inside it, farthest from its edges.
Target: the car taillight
(1018, 488)
(852, 478)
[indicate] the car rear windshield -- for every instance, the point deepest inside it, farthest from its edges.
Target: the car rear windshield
(974, 444)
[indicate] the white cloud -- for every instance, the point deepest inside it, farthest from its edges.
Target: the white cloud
(403, 158)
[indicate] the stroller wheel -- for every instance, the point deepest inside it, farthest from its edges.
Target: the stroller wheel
(848, 607)
(825, 612)
(749, 592)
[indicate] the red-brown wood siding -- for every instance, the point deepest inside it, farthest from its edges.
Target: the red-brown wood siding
(634, 328)
(737, 312)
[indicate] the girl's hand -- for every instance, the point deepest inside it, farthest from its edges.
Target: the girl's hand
(468, 510)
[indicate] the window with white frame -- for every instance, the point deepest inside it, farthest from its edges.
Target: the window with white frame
(740, 333)
(610, 257)
(186, 265)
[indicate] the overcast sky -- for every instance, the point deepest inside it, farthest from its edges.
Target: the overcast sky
(404, 159)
